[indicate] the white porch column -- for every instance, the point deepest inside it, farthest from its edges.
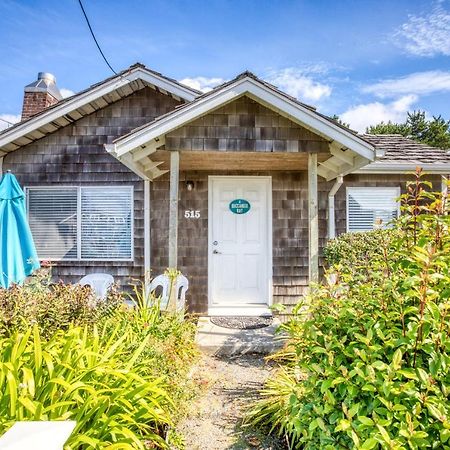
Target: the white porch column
(173, 209)
(313, 216)
(147, 230)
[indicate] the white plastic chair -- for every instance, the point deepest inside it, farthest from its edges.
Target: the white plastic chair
(99, 282)
(163, 282)
(181, 286)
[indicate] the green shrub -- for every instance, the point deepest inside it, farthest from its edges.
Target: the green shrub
(356, 250)
(52, 306)
(367, 361)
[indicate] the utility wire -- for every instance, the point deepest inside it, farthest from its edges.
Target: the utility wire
(95, 39)
(7, 121)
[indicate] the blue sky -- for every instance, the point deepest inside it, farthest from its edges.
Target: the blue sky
(364, 60)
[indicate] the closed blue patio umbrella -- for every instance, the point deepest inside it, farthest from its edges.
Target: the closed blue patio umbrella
(18, 257)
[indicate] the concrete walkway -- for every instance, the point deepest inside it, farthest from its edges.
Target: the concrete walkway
(219, 341)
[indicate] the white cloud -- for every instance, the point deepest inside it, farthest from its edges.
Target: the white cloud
(361, 116)
(426, 35)
(66, 92)
(12, 118)
(203, 84)
(418, 83)
(299, 83)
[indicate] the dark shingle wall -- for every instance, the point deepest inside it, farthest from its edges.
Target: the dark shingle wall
(75, 155)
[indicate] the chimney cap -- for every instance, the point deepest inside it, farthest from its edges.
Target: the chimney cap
(46, 82)
(47, 76)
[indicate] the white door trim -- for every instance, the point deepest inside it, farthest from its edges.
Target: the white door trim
(245, 310)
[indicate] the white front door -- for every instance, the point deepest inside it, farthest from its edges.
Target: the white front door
(239, 245)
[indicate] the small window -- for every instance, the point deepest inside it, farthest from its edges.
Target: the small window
(369, 208)
(82, 223)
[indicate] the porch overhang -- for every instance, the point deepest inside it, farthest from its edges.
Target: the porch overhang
(347, 151)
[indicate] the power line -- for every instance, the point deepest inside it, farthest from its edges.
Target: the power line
(95, 39)
(7, 121)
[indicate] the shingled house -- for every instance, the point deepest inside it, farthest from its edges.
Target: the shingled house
(238, 188)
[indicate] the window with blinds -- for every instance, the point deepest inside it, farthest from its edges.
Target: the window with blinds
(82, 223)
(369, 208)
(106, 217)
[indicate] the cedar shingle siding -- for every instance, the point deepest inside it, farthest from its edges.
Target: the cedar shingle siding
(245, 125)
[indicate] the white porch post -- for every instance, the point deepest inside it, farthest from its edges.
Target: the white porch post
(147, 230)
(313, 217)
(173, 209)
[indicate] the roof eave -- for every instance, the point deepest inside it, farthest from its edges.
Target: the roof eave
(396, 168)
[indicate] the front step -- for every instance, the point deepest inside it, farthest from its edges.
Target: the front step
(219, 341)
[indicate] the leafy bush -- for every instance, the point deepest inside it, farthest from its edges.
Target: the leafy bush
(52, 306)
(367, 362)
(356, 250)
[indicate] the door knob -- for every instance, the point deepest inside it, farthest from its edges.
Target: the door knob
(216, 252)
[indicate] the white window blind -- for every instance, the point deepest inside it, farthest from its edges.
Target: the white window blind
(371, 207)
(82, 223)
(106, 216)
(52, 214)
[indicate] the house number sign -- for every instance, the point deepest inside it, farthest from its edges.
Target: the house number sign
(239, 206)
(191, 214)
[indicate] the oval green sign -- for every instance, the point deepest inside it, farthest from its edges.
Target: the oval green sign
(239, 206)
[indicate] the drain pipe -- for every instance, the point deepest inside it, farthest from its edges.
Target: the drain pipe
(331, 215)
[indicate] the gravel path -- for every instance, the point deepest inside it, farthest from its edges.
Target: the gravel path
(229, 385)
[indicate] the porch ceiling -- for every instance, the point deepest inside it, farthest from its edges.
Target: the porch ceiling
(237, 161)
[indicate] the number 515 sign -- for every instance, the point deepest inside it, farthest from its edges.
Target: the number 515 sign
(191, 214)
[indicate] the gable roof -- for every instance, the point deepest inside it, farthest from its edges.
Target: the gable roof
(403, 154)
(260, 91)
(95, 97)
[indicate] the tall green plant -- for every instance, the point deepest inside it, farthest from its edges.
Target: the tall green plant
(89, 377)
(367, 362)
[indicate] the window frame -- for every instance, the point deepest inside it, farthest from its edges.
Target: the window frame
(79, 189)
(360, 188)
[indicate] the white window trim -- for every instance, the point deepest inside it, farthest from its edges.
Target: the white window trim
(355, 188)
(79, 188)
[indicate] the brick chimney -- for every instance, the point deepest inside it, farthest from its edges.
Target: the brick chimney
(39, 95)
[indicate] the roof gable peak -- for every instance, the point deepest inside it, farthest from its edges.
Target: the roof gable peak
(98, 95)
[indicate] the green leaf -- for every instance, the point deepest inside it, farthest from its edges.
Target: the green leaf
(444, 435)
(369, 444)
(423, 376)
(343, 425)
(366, 421)
(408, 373)
(397, 359)
(384, 434)
(355, 438)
